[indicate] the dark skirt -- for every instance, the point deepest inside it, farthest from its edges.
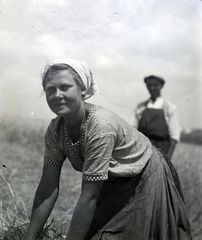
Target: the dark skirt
(145, 207)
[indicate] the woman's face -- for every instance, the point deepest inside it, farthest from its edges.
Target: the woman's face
(154, 87)
(63, 95)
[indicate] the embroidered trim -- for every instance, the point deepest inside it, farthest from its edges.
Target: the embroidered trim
(53, 163)
(95, 177)
(78, 148)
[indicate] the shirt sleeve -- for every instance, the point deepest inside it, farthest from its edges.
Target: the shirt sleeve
(53, 154)
(173, 122)
(98, 154)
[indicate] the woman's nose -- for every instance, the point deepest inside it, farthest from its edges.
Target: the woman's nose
(58, 93)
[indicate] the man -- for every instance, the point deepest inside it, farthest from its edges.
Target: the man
(157, 118)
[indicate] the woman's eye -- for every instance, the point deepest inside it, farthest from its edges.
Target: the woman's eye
(64, 88)
(50, 90)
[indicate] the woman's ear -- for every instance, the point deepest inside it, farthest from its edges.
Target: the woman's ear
(83, 93)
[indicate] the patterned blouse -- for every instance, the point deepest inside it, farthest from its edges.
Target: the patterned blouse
(109, 147)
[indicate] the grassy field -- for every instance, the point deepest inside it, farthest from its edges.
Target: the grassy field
(21, 154)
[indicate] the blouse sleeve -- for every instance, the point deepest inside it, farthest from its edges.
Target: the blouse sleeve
(97, 158)
(53, 155)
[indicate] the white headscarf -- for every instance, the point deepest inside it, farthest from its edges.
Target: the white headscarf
(82, 70)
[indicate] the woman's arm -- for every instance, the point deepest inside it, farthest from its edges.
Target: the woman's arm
(45, 198)
(84, 210)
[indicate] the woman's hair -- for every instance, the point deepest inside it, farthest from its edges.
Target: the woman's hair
(54, 69)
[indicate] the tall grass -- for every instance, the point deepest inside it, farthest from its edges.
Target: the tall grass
(188, 162)
(14, 219)
(21, 156)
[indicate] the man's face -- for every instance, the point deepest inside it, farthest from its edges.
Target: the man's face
(154, 87)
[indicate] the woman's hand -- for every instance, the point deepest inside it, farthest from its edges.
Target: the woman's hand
(84, 210)
(45, 198)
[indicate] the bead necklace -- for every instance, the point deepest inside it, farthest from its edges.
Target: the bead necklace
(78, 147)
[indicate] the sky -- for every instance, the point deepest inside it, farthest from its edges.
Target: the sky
(122, 41)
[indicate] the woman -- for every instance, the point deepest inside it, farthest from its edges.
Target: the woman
(128, 191)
